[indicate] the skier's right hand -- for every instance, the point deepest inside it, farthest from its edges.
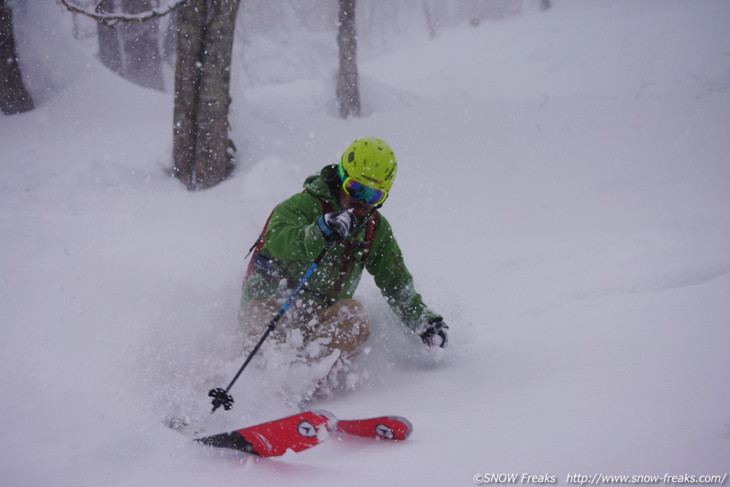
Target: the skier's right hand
(336, 226)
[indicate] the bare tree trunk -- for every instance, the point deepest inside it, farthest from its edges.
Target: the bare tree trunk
(13, 96)
(190, 24)
(348, 91)
(202, 151)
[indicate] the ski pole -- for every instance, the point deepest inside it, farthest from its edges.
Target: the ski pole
(221, 397)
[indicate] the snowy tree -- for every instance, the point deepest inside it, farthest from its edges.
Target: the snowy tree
(202, 151)
(348, 92)
(13, 96)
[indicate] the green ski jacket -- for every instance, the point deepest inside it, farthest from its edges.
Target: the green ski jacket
(292, 241)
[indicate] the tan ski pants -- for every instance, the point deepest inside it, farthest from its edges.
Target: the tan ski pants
(344, 326)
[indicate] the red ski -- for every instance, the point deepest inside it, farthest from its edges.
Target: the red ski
(298, 432)
(305, 430)
(383, 427)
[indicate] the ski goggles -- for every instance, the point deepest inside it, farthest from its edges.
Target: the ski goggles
(359, 191)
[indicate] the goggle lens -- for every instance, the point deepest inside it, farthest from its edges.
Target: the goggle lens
(358, 191)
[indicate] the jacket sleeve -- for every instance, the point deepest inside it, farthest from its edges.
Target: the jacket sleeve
(395, 282)
(292, 234)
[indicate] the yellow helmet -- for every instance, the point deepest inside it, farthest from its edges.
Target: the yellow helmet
(371, 162)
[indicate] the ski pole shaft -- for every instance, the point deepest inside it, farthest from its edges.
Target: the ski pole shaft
(221, 397)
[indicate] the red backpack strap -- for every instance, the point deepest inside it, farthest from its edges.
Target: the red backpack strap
(257, 246)
(372, 226)
(366, 246)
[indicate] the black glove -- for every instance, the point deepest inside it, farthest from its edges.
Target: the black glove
(434, 333)
(337, 226)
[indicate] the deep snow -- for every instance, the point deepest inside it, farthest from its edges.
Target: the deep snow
(562, 199)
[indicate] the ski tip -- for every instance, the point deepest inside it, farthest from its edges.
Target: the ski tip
(394, 428)
(406, 426)
(382, 427)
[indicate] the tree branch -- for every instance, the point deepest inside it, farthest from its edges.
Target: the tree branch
(107, 18)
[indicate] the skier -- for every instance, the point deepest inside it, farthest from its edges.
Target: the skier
(338, 206)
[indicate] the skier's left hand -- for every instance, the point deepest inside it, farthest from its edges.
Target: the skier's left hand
(434, 333)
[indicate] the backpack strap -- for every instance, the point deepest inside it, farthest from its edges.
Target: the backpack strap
(257, 246)
(349, 246)
(372, 226)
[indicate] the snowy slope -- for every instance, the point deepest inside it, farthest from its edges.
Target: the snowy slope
(562, 199)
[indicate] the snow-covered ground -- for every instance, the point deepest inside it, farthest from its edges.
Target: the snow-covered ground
(563, 198)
